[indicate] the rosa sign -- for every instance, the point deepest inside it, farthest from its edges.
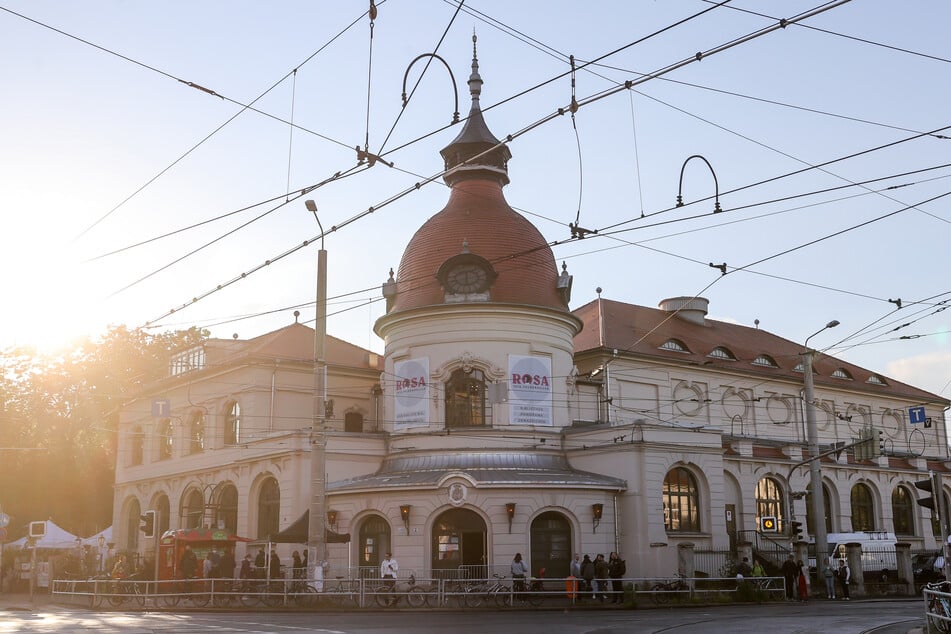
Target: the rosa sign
(530, 393)
(412, 392)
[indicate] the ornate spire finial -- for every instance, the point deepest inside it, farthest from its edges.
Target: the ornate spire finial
(475, 80)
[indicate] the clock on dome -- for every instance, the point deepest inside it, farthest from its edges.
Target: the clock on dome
(466, 277)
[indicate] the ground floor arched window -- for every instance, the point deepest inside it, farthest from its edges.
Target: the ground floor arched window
(459, 539)
(227, 515)
(551, 545)
(681, 501)
(769, 500)
(863, 516)
(162, 511)
(193, 509)
(827, 506)
(269, 508)
(132, 526)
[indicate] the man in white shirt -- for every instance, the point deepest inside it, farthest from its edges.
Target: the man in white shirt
(388, 568)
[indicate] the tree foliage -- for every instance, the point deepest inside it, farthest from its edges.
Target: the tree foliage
(58, 423)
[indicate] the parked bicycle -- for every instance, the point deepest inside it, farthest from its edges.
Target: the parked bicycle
(128, 589)
(340, 592)
(939, 606)
(677, 588)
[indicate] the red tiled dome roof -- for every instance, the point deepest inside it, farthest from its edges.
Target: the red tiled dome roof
(478, 215)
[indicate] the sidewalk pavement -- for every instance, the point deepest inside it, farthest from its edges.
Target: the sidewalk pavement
(22, 602)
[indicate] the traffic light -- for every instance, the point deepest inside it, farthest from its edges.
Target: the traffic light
(881, 442)
(929, 486)
(148, 523)
(767, 524)
(795, 531)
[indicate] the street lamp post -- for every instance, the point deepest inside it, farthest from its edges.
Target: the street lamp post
(812, 436)
(316, 538)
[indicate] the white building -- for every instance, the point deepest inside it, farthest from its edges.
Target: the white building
(499, 421)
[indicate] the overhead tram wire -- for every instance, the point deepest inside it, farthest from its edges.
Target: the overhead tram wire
(846, 36)
(587, 101)
(287, 200)
(785, 175)
(244, 107)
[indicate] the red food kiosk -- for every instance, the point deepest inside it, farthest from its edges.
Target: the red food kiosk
(202, 540)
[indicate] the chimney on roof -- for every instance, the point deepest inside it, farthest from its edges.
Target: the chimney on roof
(692, 309)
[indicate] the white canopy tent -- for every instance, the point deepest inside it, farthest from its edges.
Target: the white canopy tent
(56, 538)
(93, 540)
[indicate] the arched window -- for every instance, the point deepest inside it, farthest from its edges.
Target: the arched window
(132, 528)
(228, 508)
(162, 514)
(164, 439)
(193, 509)
(681, 502)
(374, 544)
(769, 500)
(136, 446)
(196, 433)
(551, 545)
(269, 508)
(863, 518)
(902, 512)
(233, 424)
(465, 399)
(827, 505)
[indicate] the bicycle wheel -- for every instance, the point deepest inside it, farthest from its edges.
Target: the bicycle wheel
(138, 595)
(659, 594)
(200, 599)
(935, 611)
(249, 596)
(383, 595)
(475, 596)
(416, 597)
(171, 599)
(116, 598)
(305, 596)
(501, 596)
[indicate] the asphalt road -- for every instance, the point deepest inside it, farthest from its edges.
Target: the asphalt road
(873, 617)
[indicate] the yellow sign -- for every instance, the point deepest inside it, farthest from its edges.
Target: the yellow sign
(767, 524)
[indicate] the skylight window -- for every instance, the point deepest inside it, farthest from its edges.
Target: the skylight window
(722, 353)
(674, 345)
(766, 361)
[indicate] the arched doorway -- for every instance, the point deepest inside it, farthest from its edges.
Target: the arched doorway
(551, 545)
(374, 544)
(459, 539)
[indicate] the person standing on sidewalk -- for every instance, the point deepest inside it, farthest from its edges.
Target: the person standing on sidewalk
(829, 573)
(616, 570)
(845, 576)
(791, 576)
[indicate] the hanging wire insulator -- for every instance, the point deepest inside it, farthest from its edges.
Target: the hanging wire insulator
(372, 11)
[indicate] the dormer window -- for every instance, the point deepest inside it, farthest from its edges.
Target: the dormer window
(187, 361)
(766, 361)
(674, 345)
(466, 277)
(842, 373)
(722, 353)
(874, 379)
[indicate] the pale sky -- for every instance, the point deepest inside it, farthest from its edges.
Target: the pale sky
(105, 147)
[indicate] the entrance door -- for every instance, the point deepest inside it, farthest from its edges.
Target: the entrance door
(459, 545)
(551, 545)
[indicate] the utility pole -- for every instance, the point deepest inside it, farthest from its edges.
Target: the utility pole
(316, 537)
(812, 437)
